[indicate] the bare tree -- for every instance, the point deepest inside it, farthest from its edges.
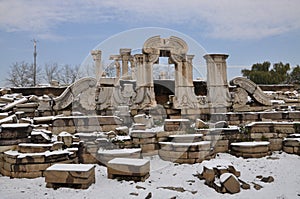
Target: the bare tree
(22, 75)
(51, 72)
(67, 74)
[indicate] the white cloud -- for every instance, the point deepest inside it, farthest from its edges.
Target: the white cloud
(216, 18)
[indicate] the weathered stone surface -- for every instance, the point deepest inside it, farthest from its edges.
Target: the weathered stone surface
(172, 154)
(70, 174)
(33, 148)
(200, 124)
(288, 149)
(256, 149)
(144, 140)
(230, 182)
(149, 147)
(291, 142)
(142, 134)
(15, 131)
(208, 174)
(104, 156)
(187, 138)
(176, 124)
(119, 167)
(147, 120)
(250, 149)
(275, 144)
(122, 130)
(66, 138)
(138, 126)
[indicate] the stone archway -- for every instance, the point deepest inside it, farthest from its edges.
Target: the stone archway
(176, 49)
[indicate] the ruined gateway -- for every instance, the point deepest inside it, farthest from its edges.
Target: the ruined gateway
(134, 85)
(132, 115)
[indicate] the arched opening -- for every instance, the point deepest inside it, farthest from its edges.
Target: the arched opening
(163, 69)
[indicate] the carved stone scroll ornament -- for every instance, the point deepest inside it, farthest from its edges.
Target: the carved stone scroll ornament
(253, 90)
(83, 91)
(240, 98)
(123, 96)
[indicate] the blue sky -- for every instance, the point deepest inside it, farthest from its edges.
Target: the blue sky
(250, 31)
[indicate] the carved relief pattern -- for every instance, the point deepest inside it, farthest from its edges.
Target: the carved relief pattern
(254, 90)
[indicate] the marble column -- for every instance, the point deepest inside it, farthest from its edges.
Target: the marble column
(218, 93)
(96, 54)
(125, 56)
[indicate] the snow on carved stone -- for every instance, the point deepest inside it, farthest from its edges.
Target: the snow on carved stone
(129, 161)
(250, 144)
(230, 182)
(71, 167)
(118, 151)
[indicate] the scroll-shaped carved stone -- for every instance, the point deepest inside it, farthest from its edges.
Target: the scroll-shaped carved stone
(173, 44)
(81, 90)
(253, 89)
(240, 98)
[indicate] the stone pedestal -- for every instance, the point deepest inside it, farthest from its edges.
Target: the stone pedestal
(218, 94)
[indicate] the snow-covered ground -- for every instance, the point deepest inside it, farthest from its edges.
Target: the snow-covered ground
(285, 169)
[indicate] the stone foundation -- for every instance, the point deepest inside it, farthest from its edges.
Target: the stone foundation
(250, 149)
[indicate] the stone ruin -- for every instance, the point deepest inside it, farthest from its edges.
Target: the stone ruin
(114, 121)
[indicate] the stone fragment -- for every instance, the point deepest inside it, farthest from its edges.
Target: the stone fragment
(70, 175)
(230, 182)
(268, 179)
(200, 124)
(66, 138)
(127, 167)
(147, 120)
(122, 130)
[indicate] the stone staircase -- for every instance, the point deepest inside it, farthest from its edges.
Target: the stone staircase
(30, 160)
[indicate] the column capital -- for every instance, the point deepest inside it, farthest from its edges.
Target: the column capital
(215, 57)
(96, 54)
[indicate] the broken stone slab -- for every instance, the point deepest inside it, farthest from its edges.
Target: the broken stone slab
(70, 175)
(43, 120)
(200, 124)
(138, 126)
(16, 157)
(291, 142)
(128, 167)
(13, 104)
(250, 147)
(104, 156)
(151, 140)
(148, 133)
(187, 138)
(176, 124)
(230, 182)
(221, 124)
(13, 143)
(10, 119)
(25, 167)
(40, 136)
(122, 130)
(27, 105)
(194, 146)
(34, 148)
(15, 131)
(3, 115)
(147, 120)
(208, 174)
(66, 138)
